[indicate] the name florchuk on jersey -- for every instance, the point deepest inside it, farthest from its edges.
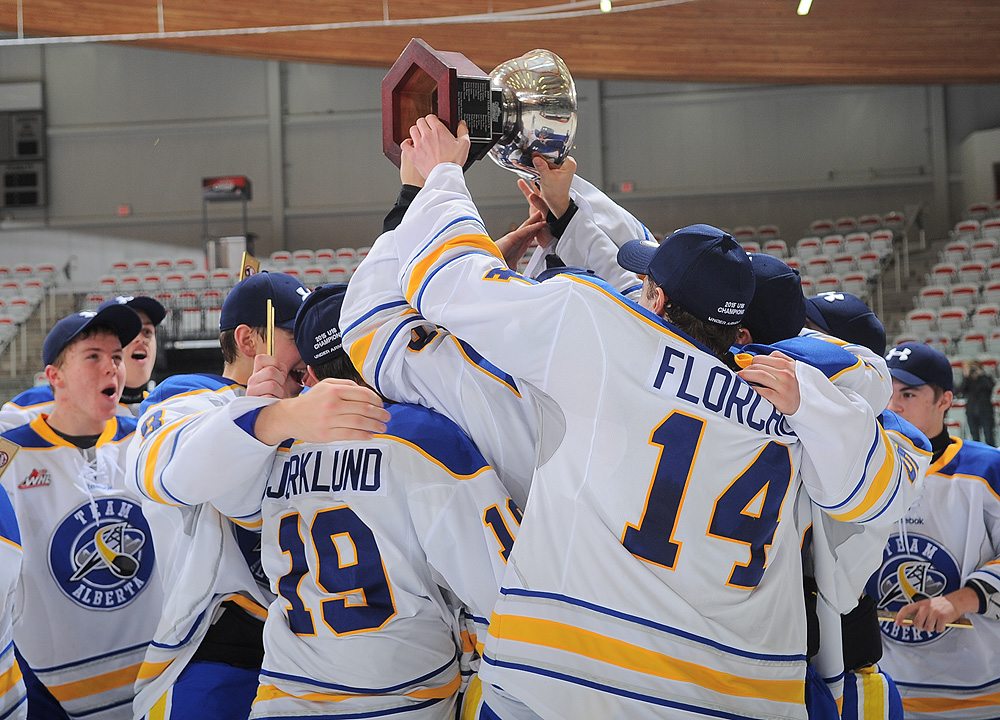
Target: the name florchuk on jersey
(101, 554)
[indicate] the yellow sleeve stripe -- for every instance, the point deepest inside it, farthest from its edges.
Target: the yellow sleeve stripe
(10, 542)
(878, 486)
(472, 699)
(949, 704)
(95, 685)
(476, 241)
(10, 679)
(149, 470)
(433, 459)
(360, 349)
(248, 605)
(249, 524)
(150, 670)
(846, 370)
(569, 638)
(270, 692)
(743, 359)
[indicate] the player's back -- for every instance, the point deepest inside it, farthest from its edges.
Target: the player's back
(371, 546)
(653, 562)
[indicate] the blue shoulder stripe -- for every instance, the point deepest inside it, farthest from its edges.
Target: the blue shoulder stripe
(33, 396)
(978, 460)
(126, 426)
(826, 357)
(896, 423)
(436, 436)
(8, 520)
(178, 384)
(27, 438)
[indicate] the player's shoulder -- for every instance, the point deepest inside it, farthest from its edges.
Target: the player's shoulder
(124, 427)
(186, 385)
(38, 395)
(435, 437)
(27, 436)
(828, 358)
(978, 460)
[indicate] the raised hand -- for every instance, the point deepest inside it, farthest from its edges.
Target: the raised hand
(332, 410)
(434, 144)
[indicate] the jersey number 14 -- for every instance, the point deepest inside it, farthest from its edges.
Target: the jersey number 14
(745, 513)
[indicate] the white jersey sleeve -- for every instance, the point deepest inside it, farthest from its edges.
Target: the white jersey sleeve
(869, 377)
(592, 238)
(454, 276)
(189, 423)
(12, 692)
(408, 359)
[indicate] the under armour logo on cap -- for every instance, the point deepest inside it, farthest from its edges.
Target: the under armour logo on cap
(832, 296)
(902, 354)
(915, 364)
(87, 314)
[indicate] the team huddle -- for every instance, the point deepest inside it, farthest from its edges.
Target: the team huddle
(637, 480)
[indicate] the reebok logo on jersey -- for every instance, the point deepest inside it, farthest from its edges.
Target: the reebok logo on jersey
(37, 478)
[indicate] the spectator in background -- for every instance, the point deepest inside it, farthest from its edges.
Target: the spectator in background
(977, 387)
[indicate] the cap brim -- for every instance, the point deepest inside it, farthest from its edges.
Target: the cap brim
(907, 378)
(814, 315)
(120, 318)
(636, 255)
(153, 309)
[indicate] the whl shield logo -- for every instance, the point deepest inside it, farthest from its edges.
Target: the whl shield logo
(37, 478)
(102, 563)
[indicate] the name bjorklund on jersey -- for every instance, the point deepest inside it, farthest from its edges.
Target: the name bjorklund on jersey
(353, 469)
(718, 390)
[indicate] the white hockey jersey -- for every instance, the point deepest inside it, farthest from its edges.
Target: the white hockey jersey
(187, 466)
(951, 534)
(716, 632)
(368, 546)
(29, 404)
(89, 595)
(407, 359)
(12, 693)
(592, 238)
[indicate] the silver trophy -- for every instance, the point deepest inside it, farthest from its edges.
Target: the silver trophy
(525, 107)
(538, 111)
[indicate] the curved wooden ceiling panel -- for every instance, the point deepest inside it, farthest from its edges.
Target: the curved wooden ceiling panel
(840, 41)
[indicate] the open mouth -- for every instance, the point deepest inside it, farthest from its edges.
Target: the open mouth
(109, 391)
(139, 355)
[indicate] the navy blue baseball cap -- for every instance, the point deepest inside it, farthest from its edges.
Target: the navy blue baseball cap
(246, 303)
(847, 317)
(317, 324)
(699, 267)
(120, 319)
(778, 308)
(154, 311)
(916, 364)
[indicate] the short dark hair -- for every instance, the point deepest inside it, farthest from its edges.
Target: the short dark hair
(227, 341)
(719, 338)
(340, 367)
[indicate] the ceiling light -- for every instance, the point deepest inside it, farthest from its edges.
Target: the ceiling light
(605, 5)
(804, 6)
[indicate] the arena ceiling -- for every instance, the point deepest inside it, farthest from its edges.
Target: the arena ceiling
(839, 41)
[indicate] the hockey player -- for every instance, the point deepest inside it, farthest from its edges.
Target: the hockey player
(371, 548)
(186, 465)
(140, 357)
(13, 696)
(942, 563)
(565, 638)
(89, 596)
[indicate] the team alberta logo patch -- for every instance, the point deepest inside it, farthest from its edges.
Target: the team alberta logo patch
(914, 570)
(36, 478)
(102, 563)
